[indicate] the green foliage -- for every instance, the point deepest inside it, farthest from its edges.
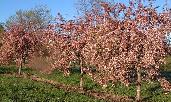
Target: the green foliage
(167, 66)
(166, 69)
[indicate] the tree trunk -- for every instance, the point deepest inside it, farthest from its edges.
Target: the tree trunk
(138, 96)
(20, 66)
(81, 79)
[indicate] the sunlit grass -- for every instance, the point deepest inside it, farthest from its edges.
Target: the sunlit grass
(26, 90)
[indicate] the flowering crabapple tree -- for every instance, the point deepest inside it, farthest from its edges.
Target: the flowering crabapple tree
(58, 44)
(18, 44)
(65, 44)
(60, 53)
(125, 38)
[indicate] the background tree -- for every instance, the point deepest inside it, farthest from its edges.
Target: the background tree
(84, 6)
(1, 28)
(39, 17)
(1, 33)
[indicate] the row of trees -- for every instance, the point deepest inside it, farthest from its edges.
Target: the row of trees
(119, 41)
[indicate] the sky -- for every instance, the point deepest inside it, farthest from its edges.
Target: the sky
(66, 7)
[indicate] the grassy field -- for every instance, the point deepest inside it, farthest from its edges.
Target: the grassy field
(14, 89)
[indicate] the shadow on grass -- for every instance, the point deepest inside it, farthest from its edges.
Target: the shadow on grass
(78, 70)
(7, 70)
(166, 74)
(12, 69)
(75, 70)
(153, 91)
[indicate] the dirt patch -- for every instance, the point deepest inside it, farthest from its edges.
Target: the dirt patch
(41, 64)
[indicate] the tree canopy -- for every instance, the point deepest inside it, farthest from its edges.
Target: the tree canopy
(38, 17)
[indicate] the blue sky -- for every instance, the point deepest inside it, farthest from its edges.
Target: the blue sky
(9, 7)
(66, 7)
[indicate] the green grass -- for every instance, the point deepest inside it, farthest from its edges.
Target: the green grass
(73, 79)
(151, 91)
(24, 90)
(18, 89)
